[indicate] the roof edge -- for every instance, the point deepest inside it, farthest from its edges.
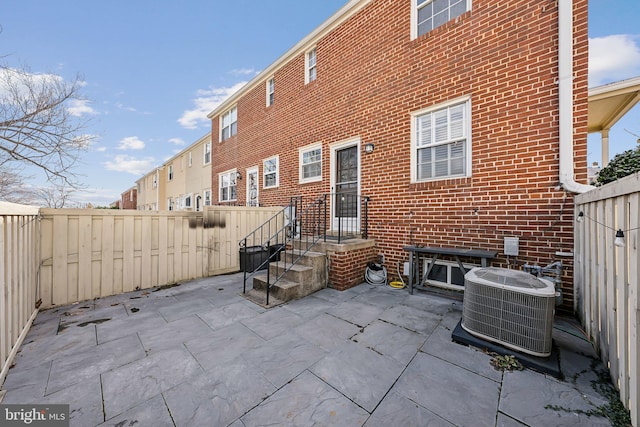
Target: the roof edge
(344, 13)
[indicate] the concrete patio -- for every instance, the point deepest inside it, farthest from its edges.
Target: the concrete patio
(199, 354)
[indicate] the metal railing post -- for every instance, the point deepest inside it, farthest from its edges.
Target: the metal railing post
(268, 271)
(244, 270)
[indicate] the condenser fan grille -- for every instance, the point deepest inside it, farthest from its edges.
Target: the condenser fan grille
(509, 316)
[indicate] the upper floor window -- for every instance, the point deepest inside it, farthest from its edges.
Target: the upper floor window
(227, 186)
(430, 14)
(271, 88)
(441, 146)
(190, 158)
(207, 153)
(310, 159)
(229, 124)
(270, 171)
(310, 66)
(170, 172)
(154, 183)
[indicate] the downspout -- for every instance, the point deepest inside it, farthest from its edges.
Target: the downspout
(565, 95)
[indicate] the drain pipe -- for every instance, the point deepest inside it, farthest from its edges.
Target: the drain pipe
(565, 94)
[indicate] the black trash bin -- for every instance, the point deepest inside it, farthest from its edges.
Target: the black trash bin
(274, 252)
(251, 257)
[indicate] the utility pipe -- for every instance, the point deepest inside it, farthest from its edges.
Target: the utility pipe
(565, 94)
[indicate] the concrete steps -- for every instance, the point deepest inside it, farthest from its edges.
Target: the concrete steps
(305, 277)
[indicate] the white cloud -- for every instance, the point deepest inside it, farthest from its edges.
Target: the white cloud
(121, 106)
(612, 58)
(78, 107)
(132, 165)
(244, 72)
(177, 141)
(205, 102)
(131, 143)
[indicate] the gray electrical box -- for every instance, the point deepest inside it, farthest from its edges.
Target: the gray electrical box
(511, 245)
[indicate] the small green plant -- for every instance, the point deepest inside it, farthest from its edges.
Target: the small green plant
(505, 362)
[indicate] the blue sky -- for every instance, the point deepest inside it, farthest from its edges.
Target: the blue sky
(154, 69)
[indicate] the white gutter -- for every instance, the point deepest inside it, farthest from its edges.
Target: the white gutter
(565, 94)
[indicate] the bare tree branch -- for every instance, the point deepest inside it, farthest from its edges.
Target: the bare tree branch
(37, 127)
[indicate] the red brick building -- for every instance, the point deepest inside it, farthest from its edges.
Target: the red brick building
(476, 114)
(129, 199)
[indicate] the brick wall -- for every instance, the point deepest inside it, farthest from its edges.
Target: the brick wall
(129, 199)
(347, 268)
(371, 77)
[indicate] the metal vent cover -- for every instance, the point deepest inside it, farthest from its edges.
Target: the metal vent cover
(511, 308)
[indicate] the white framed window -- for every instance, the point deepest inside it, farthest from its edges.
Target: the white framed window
(207, 153)
(229, 124)
(170, 173)
(310, 66)
(430, 14)
(227, 186)
(187, 202)
(207, 197)
(271, 91)
(441, 141)
(190, 158)
(170, 203)
(154, 183)
(310, 161)
(270, 172)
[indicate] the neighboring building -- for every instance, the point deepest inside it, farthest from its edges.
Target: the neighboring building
(473, 115)
(115, 205)
(182, 183)
(150, 190)
(592, 173)
(129, 199)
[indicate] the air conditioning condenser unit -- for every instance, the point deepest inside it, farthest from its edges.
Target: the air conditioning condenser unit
(509, 307)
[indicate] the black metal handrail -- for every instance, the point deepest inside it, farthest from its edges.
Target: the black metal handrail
(297, 228)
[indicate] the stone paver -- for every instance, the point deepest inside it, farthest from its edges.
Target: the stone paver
(80, 366)
(455, 394)
(282, 359)
(127, 386)
(538, 400)
(359, 373)
(390, 340)
(397, 410)
(153, 412)
(218, 397)
(200, 354)
(306, 401)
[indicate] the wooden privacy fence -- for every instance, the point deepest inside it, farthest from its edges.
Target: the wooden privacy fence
(93, 253)
(19, 259)
(606, 280)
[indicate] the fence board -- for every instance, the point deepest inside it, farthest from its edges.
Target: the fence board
(19, 255)
(609, 279)
(633, 244)
(127, 254)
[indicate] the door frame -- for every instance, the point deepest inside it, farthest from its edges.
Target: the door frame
(334, 148)
(256, 170)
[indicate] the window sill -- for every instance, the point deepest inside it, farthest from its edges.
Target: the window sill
(310, 180)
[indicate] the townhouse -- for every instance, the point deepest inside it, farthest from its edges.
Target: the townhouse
(463, 122)
(183, 182)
